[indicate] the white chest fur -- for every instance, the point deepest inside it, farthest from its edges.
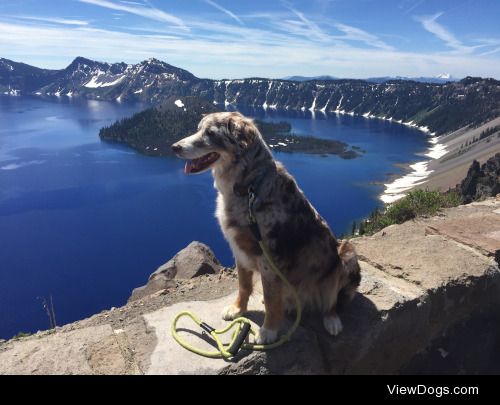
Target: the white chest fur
(230, 233)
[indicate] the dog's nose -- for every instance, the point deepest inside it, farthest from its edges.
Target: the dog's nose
(176, 148)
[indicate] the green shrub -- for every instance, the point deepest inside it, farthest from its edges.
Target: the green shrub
(418, 203)
(22, 335)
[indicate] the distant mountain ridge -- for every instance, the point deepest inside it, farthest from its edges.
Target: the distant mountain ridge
(438, 108)
(439, 79)
(308, 78)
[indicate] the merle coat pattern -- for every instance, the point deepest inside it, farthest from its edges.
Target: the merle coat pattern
(298, 238)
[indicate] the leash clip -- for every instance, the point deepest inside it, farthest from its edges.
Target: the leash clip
(206, 328)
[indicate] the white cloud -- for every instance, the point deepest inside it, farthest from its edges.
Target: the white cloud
(140, 10)
(490, 52)
(53, 20)
(133, 3)
(225, 11)
(431, 25)
(412, 5)
(246, 52)
(357, 34)
(303, 27)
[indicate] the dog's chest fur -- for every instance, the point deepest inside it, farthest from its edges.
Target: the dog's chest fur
(298, 238)
(232, 214)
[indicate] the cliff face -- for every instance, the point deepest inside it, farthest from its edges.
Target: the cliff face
(422, 282)
(440, 107)
(481, 181)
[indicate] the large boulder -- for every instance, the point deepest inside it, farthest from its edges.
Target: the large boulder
(193, 261)
(481, 181)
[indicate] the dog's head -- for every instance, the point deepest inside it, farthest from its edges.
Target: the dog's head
(221, 138)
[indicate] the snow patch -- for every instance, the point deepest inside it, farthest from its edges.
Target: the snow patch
(398, 188)
(94, 83)
(437, 150)
(113, 83)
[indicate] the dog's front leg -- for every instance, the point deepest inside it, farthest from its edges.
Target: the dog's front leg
(245, 287)
(273, 302)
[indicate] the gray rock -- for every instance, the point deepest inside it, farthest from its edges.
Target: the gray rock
(193, 261)
(481, 181)
(150, 288)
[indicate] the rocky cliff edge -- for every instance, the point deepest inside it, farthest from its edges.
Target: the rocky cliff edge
(424, 282)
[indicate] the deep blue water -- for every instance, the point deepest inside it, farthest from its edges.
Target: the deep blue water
(88, 221)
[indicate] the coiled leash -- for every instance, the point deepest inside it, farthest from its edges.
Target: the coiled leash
(242, 326)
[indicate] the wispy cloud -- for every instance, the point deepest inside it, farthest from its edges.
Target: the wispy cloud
(269, 43)
(225, 11)
(431, 25)
(246, 52)
(133, 3)
(135, 8)
(303, 26)
(412, 5)
(491, 52)
(489, 42)
(357, 34)
(53, 20)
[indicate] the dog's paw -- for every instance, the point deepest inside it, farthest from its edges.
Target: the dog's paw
(266, 336)
(231, 312)
(333, 324)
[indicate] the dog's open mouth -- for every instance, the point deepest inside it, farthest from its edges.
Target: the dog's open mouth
(201, 164)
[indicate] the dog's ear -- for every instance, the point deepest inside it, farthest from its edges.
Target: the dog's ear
(243, 130)
(232, 126)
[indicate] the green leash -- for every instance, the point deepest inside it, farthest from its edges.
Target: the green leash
(241, 326)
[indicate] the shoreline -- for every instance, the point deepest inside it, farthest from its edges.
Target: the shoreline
(418, 174)
(446, 161)
(419, 171)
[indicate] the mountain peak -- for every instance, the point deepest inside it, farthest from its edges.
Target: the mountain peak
(445, 76)
(81, 59)
(153, 61)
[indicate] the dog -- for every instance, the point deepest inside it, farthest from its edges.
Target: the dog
(299, 240)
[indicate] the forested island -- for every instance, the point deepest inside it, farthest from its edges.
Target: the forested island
(154, 130)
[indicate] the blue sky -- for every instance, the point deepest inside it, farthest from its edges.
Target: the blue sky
(231, 39)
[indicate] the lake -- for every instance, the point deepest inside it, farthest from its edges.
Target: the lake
(86, 221)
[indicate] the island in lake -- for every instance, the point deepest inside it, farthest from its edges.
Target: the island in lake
(155, 129)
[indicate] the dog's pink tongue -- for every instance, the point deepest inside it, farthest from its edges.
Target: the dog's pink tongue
(188, 167)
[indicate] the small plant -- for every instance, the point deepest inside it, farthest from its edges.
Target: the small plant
(22, 335)
(417, 203)
(49, 310)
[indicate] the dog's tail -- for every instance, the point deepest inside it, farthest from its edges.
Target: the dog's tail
(351, 271)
